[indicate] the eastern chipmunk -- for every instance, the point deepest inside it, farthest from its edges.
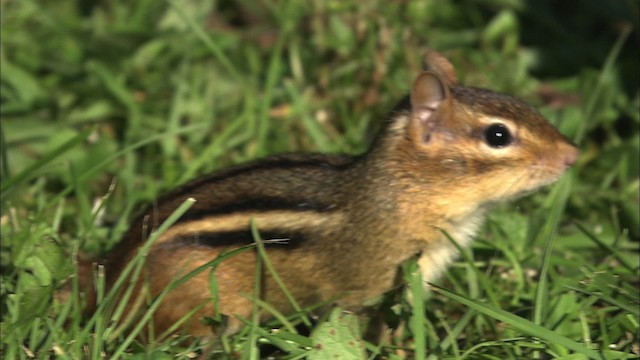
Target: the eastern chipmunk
(446, 153)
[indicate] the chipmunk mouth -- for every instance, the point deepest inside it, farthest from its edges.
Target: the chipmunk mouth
(551, 166)
(542, 175)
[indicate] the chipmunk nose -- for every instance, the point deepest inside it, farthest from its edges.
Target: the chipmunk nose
(570, 153)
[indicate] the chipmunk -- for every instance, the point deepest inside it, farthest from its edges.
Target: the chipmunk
(446, 154)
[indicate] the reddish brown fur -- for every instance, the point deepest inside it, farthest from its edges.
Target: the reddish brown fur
(352, 221)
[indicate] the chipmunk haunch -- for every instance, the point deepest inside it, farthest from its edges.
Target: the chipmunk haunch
(446, 153)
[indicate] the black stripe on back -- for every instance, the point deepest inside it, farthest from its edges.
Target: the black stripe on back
(287, 239)
(335, 162)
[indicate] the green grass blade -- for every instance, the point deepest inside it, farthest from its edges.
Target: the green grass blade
(519, 323)
(5, 172)
(630, 308)
(32, 169)
(482, 278)
(417, 320)
(209, 43)
(608, 248)
(274, 273)
(560, 195)
(607, 67)
(136, 261)
(251, 348)
(101, 165)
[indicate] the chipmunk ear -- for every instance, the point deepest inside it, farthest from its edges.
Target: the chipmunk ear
(435, 62)
(430, 101)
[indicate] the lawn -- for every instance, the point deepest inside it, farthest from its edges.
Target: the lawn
(107, 104)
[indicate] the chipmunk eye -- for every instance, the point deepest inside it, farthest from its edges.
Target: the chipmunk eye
(497, 136)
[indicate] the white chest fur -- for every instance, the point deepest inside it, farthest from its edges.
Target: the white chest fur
(437, 256)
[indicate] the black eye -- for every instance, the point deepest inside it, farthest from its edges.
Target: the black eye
(497, 136)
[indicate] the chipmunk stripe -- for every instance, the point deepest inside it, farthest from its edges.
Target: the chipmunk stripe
(271, 222)
(337, 163)
(287, 238)
(261, 204)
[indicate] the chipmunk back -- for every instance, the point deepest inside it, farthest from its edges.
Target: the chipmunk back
(446, 154)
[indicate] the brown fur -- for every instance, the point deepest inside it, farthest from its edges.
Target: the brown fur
(350, 221)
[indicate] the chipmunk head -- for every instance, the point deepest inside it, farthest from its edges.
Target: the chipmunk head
(475, 145)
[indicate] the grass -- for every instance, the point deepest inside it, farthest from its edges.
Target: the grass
(105, 105)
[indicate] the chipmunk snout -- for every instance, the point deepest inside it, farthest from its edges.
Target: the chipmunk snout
(570, 155)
